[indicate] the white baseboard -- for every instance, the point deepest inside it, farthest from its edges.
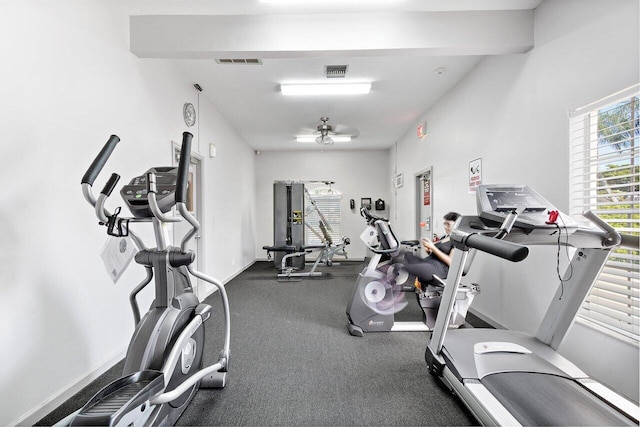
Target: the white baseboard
(230, 278)
(44, 408)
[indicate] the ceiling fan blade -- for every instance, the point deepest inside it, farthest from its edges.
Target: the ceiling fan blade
(339, 129)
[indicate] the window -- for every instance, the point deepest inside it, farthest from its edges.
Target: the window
(322, 203)
(605, 178)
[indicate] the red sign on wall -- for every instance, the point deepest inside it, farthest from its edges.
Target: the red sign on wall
(427, 191)
(421, 131)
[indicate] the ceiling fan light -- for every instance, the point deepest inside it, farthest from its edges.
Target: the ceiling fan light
(340, 138)
(313, 138)
(306, 138)
(325, 140)
(325, 89)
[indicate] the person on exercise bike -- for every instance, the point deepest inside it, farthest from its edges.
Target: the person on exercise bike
(439, 254)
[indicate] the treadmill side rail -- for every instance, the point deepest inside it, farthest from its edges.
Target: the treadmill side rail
(626, 406)
(484, 406)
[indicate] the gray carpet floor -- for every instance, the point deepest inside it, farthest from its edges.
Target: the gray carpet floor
(293, 362)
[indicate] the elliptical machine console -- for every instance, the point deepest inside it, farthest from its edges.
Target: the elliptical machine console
(135, 193)
(163, 366)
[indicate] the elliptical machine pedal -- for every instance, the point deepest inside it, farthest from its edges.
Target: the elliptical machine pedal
(124, 396)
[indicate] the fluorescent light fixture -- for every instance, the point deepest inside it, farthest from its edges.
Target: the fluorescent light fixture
(312, 138)
(305, 2)
(325, 89)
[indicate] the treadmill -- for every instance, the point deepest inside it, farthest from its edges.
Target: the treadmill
(512, 378)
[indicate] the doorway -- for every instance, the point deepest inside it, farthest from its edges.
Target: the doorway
(194, 206)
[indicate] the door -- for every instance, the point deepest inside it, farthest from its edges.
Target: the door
(424, 203)
(194, 206)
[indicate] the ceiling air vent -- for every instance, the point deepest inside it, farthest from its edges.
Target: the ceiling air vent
(239, 61)
(335, 71)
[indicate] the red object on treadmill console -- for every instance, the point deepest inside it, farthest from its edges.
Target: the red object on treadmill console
(553, 217)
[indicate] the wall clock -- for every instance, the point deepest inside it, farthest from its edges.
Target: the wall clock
(189, 114)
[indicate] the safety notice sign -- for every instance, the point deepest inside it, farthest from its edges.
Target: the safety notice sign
(475, 175)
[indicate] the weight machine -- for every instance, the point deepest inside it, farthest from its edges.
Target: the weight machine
(289, 225)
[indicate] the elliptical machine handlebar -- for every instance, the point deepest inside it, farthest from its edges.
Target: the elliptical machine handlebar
(100, 160)
(110, 185)
(180, 193)
(183, 168)
(181, 189)
(94, 170)
(182, 181)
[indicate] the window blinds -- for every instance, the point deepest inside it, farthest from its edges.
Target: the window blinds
(328, 202)
(605, 178)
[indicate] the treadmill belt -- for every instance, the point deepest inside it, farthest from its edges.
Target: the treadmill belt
(549, 400)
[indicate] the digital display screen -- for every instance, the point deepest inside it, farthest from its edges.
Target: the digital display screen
(509, 200)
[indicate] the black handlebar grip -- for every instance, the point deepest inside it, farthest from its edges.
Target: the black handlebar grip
(629, 241)
(100, 160)
(111, 184)
(500, 248)
(183, 168)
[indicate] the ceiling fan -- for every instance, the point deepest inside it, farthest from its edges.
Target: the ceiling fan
(324, 130)
(327, 134)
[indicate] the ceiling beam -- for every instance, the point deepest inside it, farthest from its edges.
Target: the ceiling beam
(290, 36)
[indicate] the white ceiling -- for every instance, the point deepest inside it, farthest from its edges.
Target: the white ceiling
(396, 45)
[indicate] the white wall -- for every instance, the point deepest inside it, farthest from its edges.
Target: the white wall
(230, 199)
(67, 82)
(356, 174)
(511, 111)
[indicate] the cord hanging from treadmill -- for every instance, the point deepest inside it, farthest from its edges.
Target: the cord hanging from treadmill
(570, 267)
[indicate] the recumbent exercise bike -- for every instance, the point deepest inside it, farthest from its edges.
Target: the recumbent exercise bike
(380, 290)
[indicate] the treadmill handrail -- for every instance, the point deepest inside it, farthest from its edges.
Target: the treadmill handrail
(612, 237)
(506, 250)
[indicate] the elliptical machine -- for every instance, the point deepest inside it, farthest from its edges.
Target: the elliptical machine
(163, 366)
(380, 290)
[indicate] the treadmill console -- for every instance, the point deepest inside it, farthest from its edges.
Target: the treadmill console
(495, 202)
(135, 193)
